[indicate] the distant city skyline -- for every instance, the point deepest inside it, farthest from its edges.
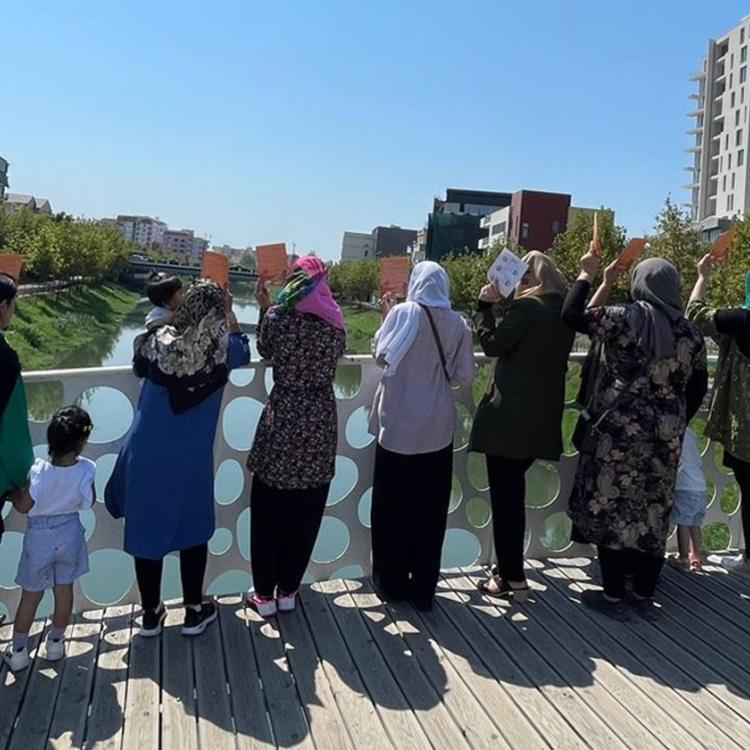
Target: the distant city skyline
(295, 123)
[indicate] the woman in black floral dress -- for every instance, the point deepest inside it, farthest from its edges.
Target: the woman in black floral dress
(650, 383)
(294, 453)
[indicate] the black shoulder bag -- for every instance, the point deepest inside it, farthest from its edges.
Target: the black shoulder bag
(439, 343)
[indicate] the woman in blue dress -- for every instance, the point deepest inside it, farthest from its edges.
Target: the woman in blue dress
(163, 480)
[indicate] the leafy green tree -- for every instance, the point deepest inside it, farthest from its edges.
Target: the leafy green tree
(354, 281)
(727, 287)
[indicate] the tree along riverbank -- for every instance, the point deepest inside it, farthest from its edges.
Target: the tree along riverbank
(47, 329)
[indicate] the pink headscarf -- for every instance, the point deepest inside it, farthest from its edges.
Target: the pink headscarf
(314, 293)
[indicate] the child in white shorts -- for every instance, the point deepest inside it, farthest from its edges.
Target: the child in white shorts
(54, 551)
(690, 503)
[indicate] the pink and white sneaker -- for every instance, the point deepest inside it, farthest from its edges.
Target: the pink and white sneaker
(286, 602)
(265, 607)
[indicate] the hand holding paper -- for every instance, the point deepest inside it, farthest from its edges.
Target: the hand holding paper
(506, 272)
(394, 276)
(632, 251)
(273, 263)
(215, 267)
(722, 247)
(596, 243)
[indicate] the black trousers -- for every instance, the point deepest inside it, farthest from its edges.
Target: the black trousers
(192, 571)
(410, 499)
(617, 564)
(508, 497)
(742, 475)
(284, 525)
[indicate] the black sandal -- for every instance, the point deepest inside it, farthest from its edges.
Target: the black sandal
(504, 589)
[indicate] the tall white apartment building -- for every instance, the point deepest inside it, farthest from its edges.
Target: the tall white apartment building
(719, 186)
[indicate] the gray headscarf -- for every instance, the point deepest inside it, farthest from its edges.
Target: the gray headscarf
(655, 289)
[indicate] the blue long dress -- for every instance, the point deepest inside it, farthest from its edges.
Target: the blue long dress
(163, 479)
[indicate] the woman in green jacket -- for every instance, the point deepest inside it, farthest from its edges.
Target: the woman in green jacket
(729, 418)
(16, 451)
(519, 420)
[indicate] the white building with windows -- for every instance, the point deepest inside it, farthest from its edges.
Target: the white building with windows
(143, 230)
(719, 186)
(357, 246)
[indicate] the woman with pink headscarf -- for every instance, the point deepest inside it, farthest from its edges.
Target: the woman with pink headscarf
(294, 453)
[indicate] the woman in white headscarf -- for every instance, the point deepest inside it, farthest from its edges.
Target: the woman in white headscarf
(423, 347)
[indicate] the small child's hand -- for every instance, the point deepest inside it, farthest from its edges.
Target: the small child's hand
(21, 500)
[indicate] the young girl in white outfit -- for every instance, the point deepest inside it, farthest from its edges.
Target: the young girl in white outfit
(54, 547)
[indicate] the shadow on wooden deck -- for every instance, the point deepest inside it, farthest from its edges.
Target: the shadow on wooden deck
(348, 671)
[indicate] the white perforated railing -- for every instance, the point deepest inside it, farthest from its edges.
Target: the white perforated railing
(343, 547)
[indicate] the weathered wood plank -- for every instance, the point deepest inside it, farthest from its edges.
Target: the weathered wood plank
(327, 727)
(287, 716)
(424, 699)
(675, 666)
(400, 722)
(35, 715)
(179, 725)
(365, 727)
(105, 725)
(215, 727)
(245, 688)
(141, 729)
(465, 708)
(13, 686)
(71, 710)
(570, 628)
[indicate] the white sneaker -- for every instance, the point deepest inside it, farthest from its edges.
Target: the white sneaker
(287, 602)
(264, 607)
(17, 660)
(54, 650)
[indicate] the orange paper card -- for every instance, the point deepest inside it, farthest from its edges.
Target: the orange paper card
(394, 276)
(272, 261)
(215, 267)
(11, 264)
(595, 239)
(722, 246)
(633, 250)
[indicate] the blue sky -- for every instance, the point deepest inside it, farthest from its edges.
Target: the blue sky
(294, 121)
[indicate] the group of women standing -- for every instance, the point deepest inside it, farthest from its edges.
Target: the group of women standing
(645, 380)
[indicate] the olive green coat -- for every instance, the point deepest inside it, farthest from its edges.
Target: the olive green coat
(521, 417)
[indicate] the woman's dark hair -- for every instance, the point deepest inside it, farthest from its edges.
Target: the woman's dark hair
(160, 288)
(8, 288)
(68, 431)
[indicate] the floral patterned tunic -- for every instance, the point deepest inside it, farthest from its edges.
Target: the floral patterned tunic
(295, 443)
(623, 495)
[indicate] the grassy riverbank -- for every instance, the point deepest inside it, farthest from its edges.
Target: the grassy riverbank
(361, 325)
(47, 328)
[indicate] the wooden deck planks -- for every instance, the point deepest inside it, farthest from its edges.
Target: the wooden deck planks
(347, 670)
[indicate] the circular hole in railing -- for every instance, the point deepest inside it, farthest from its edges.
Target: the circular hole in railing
(461, 549)
(710, 492)
(230, 582)
(476, 467)
(40, 451)
(357, 428)
(229, 481)
(556, 532)
(268, 379)
(10, 554)
(569, 422)
(242, 376)
(347, 573)
(47, 605)
(730, 499)
(542, 485)
(242, 533)
(348, 381)
(462, 431)
(482, 382)
(4, 612)
(171, 586)
(110, 411)
(88, 519)
(344, 480)
(716, 537)
(110, 578)
(478, 512)
(104, 467)
(333, 541)
(572, 382)
(698, 426)
(44, 399)
(240, 420)
(719, 459)
(220, 542)
(457, 494)
(364, 508)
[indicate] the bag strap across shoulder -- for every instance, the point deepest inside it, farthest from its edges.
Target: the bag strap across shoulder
(439, 343)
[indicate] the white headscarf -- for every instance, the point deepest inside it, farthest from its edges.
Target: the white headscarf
(429, 286)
